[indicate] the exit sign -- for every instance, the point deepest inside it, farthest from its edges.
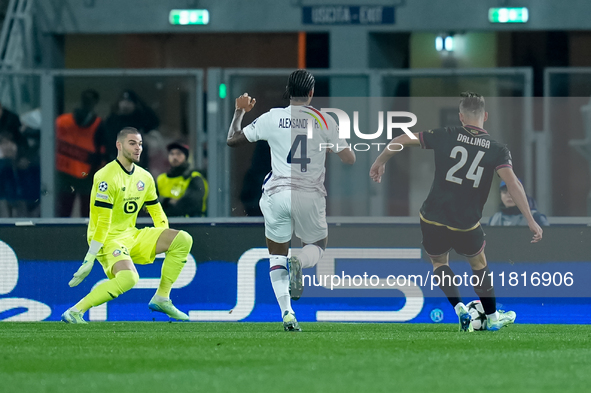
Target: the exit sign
(508, 15)
(188, 17)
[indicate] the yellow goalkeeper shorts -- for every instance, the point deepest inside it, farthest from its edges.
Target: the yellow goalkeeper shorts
(138, 246)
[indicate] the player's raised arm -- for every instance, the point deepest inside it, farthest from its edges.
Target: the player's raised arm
(236, 137)
(518, 195)
(397, 144)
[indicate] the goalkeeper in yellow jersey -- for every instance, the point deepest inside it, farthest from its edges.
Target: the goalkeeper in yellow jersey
(119, 191)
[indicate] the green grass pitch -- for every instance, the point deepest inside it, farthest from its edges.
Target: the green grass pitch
(259, 357)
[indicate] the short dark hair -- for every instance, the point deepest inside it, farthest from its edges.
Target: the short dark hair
(180, 146)
(299, 84)
(126, 131)
(471, 103)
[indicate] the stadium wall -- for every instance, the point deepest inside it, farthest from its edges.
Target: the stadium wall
(226, 278)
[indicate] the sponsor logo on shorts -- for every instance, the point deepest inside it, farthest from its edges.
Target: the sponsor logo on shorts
(103, 186)
(140, 185)
(116, 253)
(102, 196)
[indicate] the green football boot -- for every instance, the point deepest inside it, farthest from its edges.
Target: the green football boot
(71, 316)
(167, 308)
(505, 318)
(465, 320)
(290, 323)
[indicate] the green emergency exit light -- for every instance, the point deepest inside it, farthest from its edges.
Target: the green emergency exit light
(189, 17)
(508, 15)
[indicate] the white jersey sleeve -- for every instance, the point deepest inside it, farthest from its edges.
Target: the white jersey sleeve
(258, 130)
(333, 136)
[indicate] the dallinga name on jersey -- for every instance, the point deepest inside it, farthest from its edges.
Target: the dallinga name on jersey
(481, 142)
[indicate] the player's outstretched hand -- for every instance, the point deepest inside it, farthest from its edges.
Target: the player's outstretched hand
(536, 230)
(376, 172)
(83, 270)
(245, 102)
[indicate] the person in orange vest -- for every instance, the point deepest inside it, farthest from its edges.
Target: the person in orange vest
(183, 191)
(80, 150)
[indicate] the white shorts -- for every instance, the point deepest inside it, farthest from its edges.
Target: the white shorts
(289, 210)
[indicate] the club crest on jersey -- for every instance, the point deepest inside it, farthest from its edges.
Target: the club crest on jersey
(103, 186)
(140, 185)
(116, 253)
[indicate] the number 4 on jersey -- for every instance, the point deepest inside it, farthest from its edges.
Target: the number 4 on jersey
(303, 160)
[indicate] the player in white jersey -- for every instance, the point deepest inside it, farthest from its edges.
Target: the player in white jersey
(293, 192)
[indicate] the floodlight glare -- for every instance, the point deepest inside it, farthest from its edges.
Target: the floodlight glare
(449, 43)
(439, 43)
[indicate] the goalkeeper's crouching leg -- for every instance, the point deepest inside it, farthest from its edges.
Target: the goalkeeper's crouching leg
(124, 280)
(176, 257)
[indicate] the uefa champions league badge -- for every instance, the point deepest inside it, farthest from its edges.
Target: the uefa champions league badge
(140, 185)
(103, 186)
(116, 253)
(436, 315)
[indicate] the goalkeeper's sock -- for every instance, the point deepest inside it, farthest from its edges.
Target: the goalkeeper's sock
(124, 280)
(280, 282)
(173, 264)
(310, 255)
(485, 290)
(446, 283)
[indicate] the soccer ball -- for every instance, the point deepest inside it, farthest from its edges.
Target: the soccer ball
(477, 313)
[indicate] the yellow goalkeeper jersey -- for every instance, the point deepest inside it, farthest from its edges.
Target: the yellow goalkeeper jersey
(116, 199)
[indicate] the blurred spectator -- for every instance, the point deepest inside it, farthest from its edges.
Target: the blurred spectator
(158, 155)
(80, 152)
(20, 181)
(253, 180)
(510, 214)
(130, 111)
(183, 191)
(31, 132)
(10, 124)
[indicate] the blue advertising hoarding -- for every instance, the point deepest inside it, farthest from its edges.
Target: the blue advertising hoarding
(238, 289)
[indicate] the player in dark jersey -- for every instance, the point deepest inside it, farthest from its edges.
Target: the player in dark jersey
(465, 160)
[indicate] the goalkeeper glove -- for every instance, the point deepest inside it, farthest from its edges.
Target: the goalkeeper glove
(83, 270)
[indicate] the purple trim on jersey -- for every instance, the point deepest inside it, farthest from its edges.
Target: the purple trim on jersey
(479, 251)
(422, 140)
(277, 267)
(503, 166)
(266, 180)
(477, 128)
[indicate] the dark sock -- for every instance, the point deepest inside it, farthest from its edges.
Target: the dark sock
(446, 283)
(485, 290)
